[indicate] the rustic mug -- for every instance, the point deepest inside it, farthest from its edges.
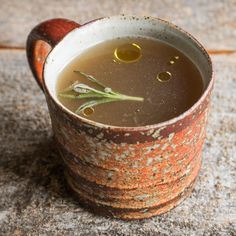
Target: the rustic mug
(125, 172)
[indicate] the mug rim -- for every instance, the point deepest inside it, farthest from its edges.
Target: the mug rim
(144, 127)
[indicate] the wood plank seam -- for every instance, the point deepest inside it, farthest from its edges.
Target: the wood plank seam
(210, 51)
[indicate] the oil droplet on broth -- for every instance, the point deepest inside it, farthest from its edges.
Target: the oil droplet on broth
(173, 60)
(164, 76)
(88, 111)
(128, 53)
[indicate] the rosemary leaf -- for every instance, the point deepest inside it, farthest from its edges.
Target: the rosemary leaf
(90, 77)
(94, 103)
(83, 87)
(90, 95)
(80, 96)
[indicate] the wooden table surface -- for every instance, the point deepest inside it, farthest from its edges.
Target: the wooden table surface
(33, 197)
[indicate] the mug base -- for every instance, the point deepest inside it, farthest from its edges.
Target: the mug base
(128, 213)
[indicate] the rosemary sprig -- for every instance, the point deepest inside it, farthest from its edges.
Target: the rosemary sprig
(96, 96)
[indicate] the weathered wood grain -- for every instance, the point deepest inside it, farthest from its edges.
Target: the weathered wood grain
(212, 22)
(33, 197)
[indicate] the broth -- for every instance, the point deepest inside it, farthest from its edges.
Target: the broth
(164, 77)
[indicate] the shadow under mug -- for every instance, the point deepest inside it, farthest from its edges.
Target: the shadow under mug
(124, 172)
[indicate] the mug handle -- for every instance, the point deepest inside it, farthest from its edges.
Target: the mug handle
(42, 40)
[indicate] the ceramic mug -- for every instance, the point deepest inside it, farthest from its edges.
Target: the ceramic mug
(125, 172)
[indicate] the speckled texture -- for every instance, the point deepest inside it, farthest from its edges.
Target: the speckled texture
(34, 199)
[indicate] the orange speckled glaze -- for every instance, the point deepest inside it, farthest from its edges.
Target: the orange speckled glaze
(128, 173)
(131, 180)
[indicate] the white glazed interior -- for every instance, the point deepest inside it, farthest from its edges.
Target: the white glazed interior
(104, 29)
